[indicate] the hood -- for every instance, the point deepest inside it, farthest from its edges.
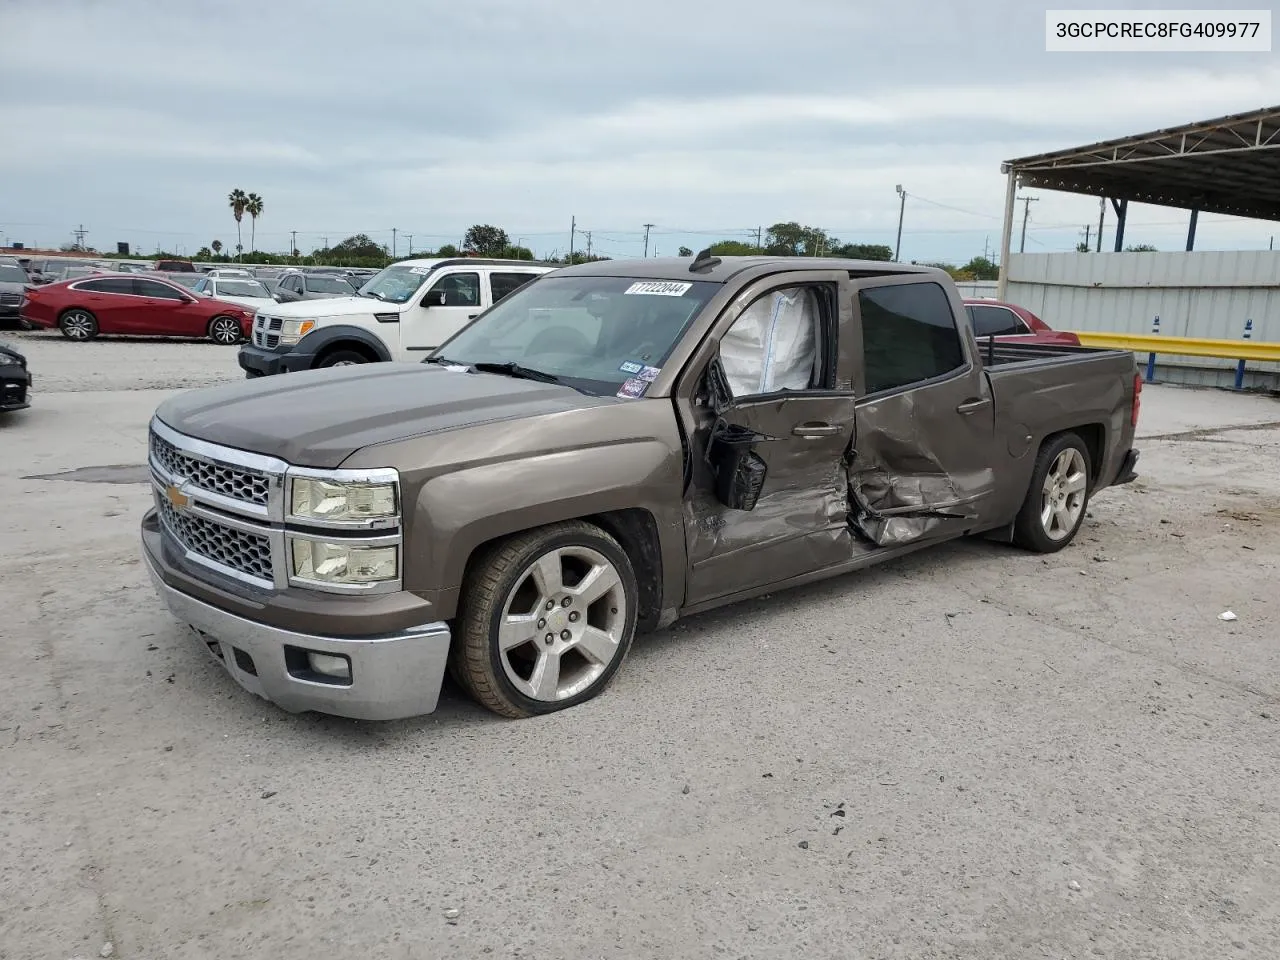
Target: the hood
(318, 418)
(330, 307)
(250, 303)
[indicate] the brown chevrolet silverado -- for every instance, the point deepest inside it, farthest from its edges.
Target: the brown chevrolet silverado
(611, 447)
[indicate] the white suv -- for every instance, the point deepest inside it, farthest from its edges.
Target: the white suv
(405, 311)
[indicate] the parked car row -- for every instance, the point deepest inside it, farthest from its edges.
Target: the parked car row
(133, 305)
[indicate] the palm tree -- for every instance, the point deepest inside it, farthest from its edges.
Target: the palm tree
(238, 202)
(216, 246)
(253, 207)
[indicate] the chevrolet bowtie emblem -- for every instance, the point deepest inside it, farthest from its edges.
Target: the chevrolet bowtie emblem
(176, 497)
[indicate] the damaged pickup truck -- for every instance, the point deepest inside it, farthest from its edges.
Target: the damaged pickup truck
(613, 446)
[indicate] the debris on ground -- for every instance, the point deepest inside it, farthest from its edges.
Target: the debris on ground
(1074, 885)
(268, 794)
(804, 844)
(107, 950)
(1228, 616)
(451, 916)
(685, 789)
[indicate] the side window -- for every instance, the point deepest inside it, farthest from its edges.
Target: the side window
(908, 335)
(504, 284)
(161, 291)
(775, 344)
(459, 289)
(113, 285)
(994, 321)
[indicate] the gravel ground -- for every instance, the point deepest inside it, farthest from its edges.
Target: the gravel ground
(974, 752)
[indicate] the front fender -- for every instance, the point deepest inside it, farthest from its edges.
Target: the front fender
(322, 338)
(458, 512)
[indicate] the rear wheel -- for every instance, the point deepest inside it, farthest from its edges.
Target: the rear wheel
(549, 616)
(78, 325)
(342, 358)
(1055, 505)
(225, 330)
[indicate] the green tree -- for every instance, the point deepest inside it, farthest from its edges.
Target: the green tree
(863, 251)
(685, 252)
(517, 253)
(237, 200)
(204, 253)
(217, 246)
(448, 250)
(732, 248)
(486, 240)
(982, 269)
(253, 207)
(790, 239)
(1140, 248)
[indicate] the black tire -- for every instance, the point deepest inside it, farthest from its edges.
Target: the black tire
(500, 573)
(78, 324)
(225, 330)
(1029, 529)
(341, 358)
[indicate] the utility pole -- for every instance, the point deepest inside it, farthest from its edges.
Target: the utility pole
(410, 236)
(986, 244)
(293, 244)
(1088, 232)
(573, 229)
(587, 234)
(646, 239)
(326, 242)
(1026, 213)
(393, 243)
(759, 247)
(80, 233)
(1102, 212)
(902, 209)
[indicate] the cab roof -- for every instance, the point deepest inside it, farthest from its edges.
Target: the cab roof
(724, 269)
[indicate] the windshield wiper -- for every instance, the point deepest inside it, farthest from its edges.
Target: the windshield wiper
(513, 369)
(370, 293)
(443, 361)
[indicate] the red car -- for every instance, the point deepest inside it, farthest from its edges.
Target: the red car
(1009, 322)
(130, 305)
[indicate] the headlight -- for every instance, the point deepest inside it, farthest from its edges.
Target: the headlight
(341, 563)
(341, 501)
(294, 330)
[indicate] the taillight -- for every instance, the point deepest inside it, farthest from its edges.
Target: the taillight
(1137, 399)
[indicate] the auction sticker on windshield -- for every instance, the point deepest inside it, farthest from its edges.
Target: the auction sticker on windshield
(633, 388)
(659, 288)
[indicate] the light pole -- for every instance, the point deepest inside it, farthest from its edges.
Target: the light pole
(902, 208)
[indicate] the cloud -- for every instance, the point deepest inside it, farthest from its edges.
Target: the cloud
(694, 116)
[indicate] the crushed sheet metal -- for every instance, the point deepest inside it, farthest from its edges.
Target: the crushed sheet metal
(899, 490)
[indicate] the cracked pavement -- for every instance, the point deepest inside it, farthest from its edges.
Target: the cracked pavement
(973, 752)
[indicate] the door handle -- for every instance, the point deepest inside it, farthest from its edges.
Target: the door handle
(973, 406)
(815, 430)
(471, 316)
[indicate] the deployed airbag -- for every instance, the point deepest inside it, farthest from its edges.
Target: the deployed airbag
(773, 345)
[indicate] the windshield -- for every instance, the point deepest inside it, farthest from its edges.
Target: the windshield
(329, 285)
(10, 274)
(593, 333)
(240, 288)
(395, 284)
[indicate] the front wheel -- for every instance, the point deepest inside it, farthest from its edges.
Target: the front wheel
(225, 330)
(342, 358)
(549, 616)
(79, 325)
(1055, 505)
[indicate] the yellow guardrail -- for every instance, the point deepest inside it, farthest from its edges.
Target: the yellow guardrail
(1185, 346)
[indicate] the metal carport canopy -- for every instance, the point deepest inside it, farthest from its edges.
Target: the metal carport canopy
(1230, 165)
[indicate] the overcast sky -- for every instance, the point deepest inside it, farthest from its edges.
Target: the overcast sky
(703, 117)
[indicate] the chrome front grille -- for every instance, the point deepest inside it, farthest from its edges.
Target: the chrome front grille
(237, 483)
(238, 550)
(266, 331)
(10, 299)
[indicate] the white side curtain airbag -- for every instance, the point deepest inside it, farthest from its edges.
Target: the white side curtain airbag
(773, 345)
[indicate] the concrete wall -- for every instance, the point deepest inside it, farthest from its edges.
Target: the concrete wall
(1208, 294)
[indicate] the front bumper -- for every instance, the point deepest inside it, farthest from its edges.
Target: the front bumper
(392, 676)
(15, 386)
(261, 362)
